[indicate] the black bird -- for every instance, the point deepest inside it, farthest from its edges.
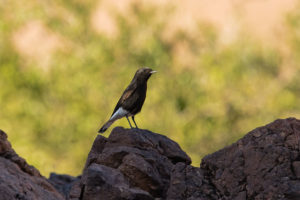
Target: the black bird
(132, 99)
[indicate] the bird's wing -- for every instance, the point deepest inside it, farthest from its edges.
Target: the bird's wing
(126, 94)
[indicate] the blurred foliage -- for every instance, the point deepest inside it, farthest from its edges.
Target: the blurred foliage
(204, 98)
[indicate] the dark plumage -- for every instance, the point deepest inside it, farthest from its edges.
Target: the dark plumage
(132, 99)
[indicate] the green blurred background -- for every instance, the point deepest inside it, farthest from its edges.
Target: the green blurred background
(222, 70)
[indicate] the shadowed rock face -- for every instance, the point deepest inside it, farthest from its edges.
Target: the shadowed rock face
(131, 164)
(18, 180)
(265, 164)
(262, 165)
(134, 164)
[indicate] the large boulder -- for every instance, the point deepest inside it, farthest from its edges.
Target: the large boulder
(130, 164)
(265, 164)
(18, 180)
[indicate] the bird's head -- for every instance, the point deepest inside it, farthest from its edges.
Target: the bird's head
(143, 74)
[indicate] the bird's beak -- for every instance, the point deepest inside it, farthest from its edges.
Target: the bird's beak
(152, 72)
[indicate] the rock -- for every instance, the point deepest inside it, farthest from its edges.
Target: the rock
(296, 168)
(18, 180)
(63, 183)
(96, 150)
(109, 184)
(147, 140)
(262, 165)
(141, 159)
(258, 165)
(188, 182)
(134, 164)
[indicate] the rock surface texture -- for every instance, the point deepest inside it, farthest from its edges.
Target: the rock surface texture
(134, 164)
(129, 164)
(262, 165)
(18, 180)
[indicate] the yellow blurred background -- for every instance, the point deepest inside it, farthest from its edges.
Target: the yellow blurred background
(224, 68)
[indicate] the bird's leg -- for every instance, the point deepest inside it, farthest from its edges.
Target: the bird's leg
(134, 121)
(128, 121)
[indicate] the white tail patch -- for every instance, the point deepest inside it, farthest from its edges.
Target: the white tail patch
(119, 114)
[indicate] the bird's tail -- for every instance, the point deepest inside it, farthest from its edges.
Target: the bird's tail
(106, 126)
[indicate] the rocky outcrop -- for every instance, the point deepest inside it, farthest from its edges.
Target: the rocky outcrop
(18, 180)
(130, 164)
(262, 165)
(138, 164)
(135, 164)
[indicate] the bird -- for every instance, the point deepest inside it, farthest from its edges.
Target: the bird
(132, 99)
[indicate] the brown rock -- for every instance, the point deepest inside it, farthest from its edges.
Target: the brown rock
(260, 168)
(257, 166)
(141, 159)
(296, 168)
(147, 140)
(18, 180)
(134, 164)
(188, 182)
(101, 182)
(96, 150)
